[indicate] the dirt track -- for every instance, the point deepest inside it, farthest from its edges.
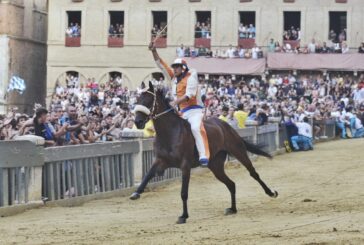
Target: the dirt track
(321, 200)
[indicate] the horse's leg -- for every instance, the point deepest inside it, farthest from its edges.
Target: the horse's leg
(242, 157)
(217, 167)
(151, 173)
(186, 173)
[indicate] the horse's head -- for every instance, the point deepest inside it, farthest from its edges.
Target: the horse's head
(144, 107)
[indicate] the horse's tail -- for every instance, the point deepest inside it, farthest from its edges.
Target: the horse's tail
(255, 149)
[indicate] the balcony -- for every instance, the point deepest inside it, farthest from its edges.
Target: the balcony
(294, 44)
(246, 43)
(203, 42)
(160, 42)
(73, 41)
(115, 42)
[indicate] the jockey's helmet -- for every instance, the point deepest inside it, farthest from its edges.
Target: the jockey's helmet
(180, 62)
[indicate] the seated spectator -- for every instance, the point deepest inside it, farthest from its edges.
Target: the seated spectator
(332, 36)
(304, 136)
(361, 48)
(255, 51)
(344, 48)
(201, 51)
(187, 52)
(180, 51)
(277, 47)
(230, 52)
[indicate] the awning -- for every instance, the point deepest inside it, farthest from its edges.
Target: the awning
(342, 62)
(235, 66)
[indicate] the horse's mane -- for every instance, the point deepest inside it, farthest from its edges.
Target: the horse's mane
(162, 93)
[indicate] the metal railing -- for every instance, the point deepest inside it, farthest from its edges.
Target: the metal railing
(147, 162)
(19, 162)
(72, 171)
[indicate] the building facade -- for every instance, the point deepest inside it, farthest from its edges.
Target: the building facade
(94, 55)
(23, 52)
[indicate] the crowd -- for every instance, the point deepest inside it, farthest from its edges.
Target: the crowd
(232, 52)
(203, 29)
(74, 30)
(312, 47)
(293, 34)
(159, 30)
(246, 31)
(92, 112)
(116, 30)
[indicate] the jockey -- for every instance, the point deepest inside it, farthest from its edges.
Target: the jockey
(188, 100)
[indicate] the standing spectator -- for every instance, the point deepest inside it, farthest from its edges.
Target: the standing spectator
(312, 46)
(271, 45)
(231, 120)
(241, 116)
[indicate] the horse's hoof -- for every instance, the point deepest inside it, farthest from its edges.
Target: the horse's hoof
(275, 194)
(230, 211)
(135, 196)
(181, 220)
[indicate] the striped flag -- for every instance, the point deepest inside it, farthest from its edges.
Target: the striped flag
(16, 83)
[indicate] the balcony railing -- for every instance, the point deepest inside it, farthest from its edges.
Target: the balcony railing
(294, 43)
(246, 43)
(160, 42)
(115, 41)
(73, 41)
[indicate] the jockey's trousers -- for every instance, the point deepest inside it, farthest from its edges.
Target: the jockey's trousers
(194, 117)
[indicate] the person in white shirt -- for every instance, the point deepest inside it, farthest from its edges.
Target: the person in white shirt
(312, 46)
(255, 51)
(180, 51)
(304, 136)
(230, 52)
(344, 48)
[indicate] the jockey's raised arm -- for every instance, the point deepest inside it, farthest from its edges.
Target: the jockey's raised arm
(167, 71)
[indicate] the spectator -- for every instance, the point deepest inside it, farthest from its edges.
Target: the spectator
(304, 136)
(271, 45)
(180, 51)
(344, 48)
(241, 116)
(361, 48)
(312, 46)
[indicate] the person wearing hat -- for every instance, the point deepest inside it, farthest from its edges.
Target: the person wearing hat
(187, 99)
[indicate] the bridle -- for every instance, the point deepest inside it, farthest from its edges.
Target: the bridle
(151, 112)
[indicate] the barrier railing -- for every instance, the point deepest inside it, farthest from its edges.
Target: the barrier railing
(20, 172)
(147, 162)
(72, 171)
(28, 172)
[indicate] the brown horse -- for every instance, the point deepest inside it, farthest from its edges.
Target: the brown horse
(175, 147)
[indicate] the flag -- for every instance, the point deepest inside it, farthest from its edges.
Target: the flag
(16, 83)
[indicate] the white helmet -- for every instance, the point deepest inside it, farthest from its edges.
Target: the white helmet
(180, 62)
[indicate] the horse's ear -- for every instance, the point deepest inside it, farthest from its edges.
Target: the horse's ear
(151, 88)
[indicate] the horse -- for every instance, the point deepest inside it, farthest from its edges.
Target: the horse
(175, 147)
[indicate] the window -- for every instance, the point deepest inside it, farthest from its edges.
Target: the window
(203, 24)
(74, 23)
(292, 26)
(116, 29)
(246, 25)
(159, 29)
(73, 30)
(159, 24)
(337, 26)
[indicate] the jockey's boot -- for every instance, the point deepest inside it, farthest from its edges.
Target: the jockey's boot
(204, 162)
